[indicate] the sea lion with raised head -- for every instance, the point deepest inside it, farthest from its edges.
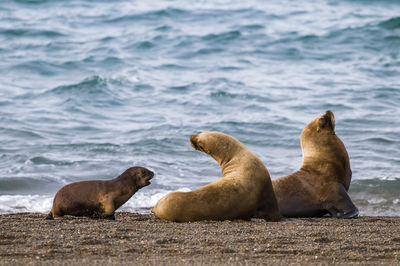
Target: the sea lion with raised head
(320, 186)
(98, 198)
(244, 189)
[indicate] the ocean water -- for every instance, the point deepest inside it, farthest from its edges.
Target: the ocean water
(89, 88)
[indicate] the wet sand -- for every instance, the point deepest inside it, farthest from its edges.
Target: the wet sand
(143, 239)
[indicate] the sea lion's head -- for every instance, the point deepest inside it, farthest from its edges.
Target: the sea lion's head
(323, 124)
(318, 134)
(218, 145)
(139, 176)
(320, 143)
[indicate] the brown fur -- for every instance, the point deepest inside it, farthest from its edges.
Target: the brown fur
(320, 186)
(97, 198)
(244, 189)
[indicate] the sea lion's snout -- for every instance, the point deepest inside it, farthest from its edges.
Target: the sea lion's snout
(144, 177)
(149, 173)
(194, 142)
(149, 176)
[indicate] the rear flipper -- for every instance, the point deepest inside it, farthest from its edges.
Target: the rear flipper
(342, 206)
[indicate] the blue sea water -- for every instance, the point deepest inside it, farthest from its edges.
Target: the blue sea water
(89, 88)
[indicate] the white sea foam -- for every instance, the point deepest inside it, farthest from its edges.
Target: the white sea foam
(141, 202)
(377, 210)
(376, 200)
(25, 203)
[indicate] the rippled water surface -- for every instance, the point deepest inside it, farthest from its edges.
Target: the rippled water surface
(89, 88)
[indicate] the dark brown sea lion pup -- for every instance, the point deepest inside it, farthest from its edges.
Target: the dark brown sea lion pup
(320, 186)
(98, 198)
(244, 189)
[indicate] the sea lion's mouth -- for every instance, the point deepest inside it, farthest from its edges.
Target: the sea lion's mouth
(149, 177)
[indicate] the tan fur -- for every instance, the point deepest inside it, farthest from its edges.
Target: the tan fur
(321, 184)
(245, 186)
(97, 198)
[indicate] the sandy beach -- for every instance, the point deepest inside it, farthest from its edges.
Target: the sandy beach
(143, 239)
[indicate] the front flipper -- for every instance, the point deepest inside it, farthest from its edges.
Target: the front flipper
(342, 206)
(109, 210)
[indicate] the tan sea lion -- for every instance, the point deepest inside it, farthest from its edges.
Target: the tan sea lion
(98, 198)
(320, 186)
(244, 189)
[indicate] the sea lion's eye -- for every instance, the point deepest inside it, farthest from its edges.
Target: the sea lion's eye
(143, 172)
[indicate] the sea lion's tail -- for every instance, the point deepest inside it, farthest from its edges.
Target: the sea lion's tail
(50, 216)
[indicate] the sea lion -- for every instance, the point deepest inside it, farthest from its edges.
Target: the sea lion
(244, 189)
(98, 198)
(320, 186)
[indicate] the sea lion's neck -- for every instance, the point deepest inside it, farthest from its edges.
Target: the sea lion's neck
(126, 182)
(224, 154)
(123, 189)
(320, 164)
(228, 167)
(230, 164)
(329, 164)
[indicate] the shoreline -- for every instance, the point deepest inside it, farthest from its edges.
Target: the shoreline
(26, 238)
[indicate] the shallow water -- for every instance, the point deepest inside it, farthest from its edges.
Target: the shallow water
(90, 88)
